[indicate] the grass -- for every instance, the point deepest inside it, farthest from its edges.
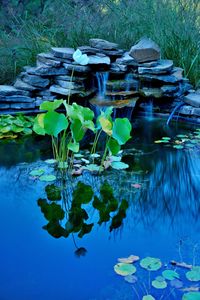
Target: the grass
(173, 24)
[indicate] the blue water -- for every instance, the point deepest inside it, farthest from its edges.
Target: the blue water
(162, 215)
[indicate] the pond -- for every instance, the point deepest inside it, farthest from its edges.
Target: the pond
(162, 192)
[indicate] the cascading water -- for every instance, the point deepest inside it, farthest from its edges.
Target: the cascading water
(176, 108)
(102, 78)
(148, 109)
(128, 79)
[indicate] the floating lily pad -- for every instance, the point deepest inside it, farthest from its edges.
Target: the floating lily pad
(95, 155)
(178, 146)
(148, 297)
(51, 161)
(181, 136)
(194, 274)
(37, 172)
(93, 168)
(159, 141)
(124, 269)
(151, 263)
(78, 155)
(47, 178)
(158, 283)
(118, 165)
(191, 296)
(178, 284)
(170, 274)
(130, 279)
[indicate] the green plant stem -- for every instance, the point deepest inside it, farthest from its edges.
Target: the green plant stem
(105, 151)
(96, 139)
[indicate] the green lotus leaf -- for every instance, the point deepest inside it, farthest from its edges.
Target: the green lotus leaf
(124, 269)
(118, 165)
(47, 178)
(121, 130)
(51, 105)
(159, 284)
(191, 296)
(38, 125)
(148, 297)
(113, 146)
(170, 274)
(77, 130)
(151, 263)
(36, 172)
(54, 123)
(27, 131)
(194, 274)
(74, 147)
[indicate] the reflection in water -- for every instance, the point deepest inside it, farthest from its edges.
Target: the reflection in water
(74, 214)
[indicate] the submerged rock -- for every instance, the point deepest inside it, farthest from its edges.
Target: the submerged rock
(103, 44)
(151, 92)
(115, 103)
(121, 95)
(145, 50)
(193, 99)
(163, 66)
(63, 52)
(118, 85)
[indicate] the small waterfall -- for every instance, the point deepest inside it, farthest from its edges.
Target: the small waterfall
(148, 109)
(176, 108)
(102, 78)
(128, 78)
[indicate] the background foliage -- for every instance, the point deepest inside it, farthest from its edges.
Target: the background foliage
(30, 27)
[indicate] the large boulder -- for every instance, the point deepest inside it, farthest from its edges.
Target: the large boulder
(145, 50)
(103, 44)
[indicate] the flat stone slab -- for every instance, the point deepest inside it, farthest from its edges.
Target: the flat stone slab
(17, 99)
(126, 59)
(113, 53)
(7, 90)
(21, 85)
(151, 92)
(175, 76)
(169, 90)
(145, 50)
(77, 68)
(121, 95)
(118, 68)
(88, 50)
(69, 78)
(46, 71)
(192, 99)
(118, 85)
(115, 103)
(103, 44)
(56, 89)
(99, 60)
(63, 52)
(163, 66)
(36, 81)
(70, 85)
(48, 59)
(20, 106)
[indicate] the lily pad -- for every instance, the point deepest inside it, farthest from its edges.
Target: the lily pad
(93, 168)
(124, 269)
(148, 297)
(159, 284)
(194, 274)
(118, 165)
(47, 178)
(130, 279)
(191, 296)
(37, 172)
(151, 263)
(178, 284)
(170, 274)
(51, 161)
(129, 260)
(178, 146)
(181, 136)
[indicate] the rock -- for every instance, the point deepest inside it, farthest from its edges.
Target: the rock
(186, 110)
(99, 60)
(69, 78)
(22, 105)
(118, 85)
(149, 64)
(193, 99)
(169, 90)
(126, 59)
(36, 81)
(21, 85)
(4, 106)
(44, 93)
(113, 54)
(18, 99)
(164, 66)
(196, 112)
(115, 103)
(145, 50)
(151, 92)
(70, 85)
(103, 44)
(88, 50)
(175, 76)
(7, 90)
(48, 59)
(62, 91)
(121, 95)
(63, 52)
(118, 68)
(77, 68)
(46, 71)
